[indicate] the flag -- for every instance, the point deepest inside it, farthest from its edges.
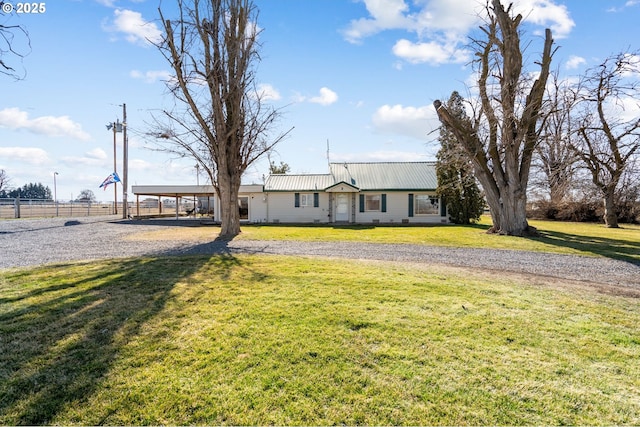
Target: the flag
(111, 179)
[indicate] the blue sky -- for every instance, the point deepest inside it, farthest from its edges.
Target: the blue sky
(360, 74)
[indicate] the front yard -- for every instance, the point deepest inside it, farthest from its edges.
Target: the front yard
(294, 341)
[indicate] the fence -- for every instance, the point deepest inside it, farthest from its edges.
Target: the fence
(33, 208)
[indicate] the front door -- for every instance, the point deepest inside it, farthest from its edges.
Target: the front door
(342, 207)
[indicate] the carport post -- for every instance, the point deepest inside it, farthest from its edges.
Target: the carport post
(177, 207)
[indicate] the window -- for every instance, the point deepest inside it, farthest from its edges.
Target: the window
(243, 207)
(425, 204)
(372, 202)
(306, 200)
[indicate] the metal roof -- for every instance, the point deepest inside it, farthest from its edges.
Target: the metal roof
(363, 176)
(186, 190)
(287, 182)
(387, 175)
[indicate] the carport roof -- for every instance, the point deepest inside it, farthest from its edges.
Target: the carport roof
(186, 190)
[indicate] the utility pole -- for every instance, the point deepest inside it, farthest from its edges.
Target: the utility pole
(115, 186)
(55, 192)
(125, 163)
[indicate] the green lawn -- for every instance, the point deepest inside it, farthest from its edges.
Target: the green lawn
(248, 340)
(558, 237)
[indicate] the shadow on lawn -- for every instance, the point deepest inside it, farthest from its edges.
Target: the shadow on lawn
(620, 249)
(56, 349)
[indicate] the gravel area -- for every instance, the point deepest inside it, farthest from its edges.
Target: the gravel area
(42, 241)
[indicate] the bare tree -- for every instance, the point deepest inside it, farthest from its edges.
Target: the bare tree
(555, 162)
(14, 43)
(608, 137)
(4, 181)
(501, 138)
(86, 196)
(220, 119)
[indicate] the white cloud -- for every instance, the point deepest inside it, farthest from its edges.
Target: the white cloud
(385, 15)
(108, 3)
(441, 26)
(96, 153)
(574, 62)
(151, 76)
(431, 52)
(135, 28)
(546, 13)
(632, 69)
(623, 110)
(379, 156)
(415, 122)
(15, 119)
(266, 92)
(326, 97)
(32, 156)
(95, 157)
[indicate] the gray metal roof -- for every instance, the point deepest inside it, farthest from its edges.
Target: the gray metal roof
(387, 175)
(365, 176)
(298, 182)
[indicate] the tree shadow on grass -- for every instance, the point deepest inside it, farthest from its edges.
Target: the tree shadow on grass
(620, 249)
(60, 335)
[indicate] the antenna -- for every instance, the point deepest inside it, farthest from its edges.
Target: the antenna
(328, 160)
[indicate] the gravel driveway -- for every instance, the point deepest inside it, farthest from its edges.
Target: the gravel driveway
(53, 240)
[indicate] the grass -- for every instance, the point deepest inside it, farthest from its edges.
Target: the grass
(248, 340)
(557, 237)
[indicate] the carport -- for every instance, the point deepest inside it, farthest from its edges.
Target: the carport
(173, 191)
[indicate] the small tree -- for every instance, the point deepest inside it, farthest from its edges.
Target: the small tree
(608, 138)
(502, 137)
(275, 169)
(212, 48)
(457, 185)
(86, 196)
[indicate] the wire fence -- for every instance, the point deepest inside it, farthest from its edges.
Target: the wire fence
(36, 208)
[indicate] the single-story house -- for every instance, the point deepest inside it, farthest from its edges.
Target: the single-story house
(378, 192)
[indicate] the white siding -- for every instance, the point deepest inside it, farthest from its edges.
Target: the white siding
(281, 208)
(257, 207)
(397, 211)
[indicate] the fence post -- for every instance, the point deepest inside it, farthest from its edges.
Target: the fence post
(16, 204)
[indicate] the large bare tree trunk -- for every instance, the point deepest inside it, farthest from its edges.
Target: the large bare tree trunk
(228, 189)
(610, 214)
(212, 48)
(502, 158)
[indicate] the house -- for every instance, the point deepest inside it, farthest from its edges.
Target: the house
(370, 193)
(384, 192)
